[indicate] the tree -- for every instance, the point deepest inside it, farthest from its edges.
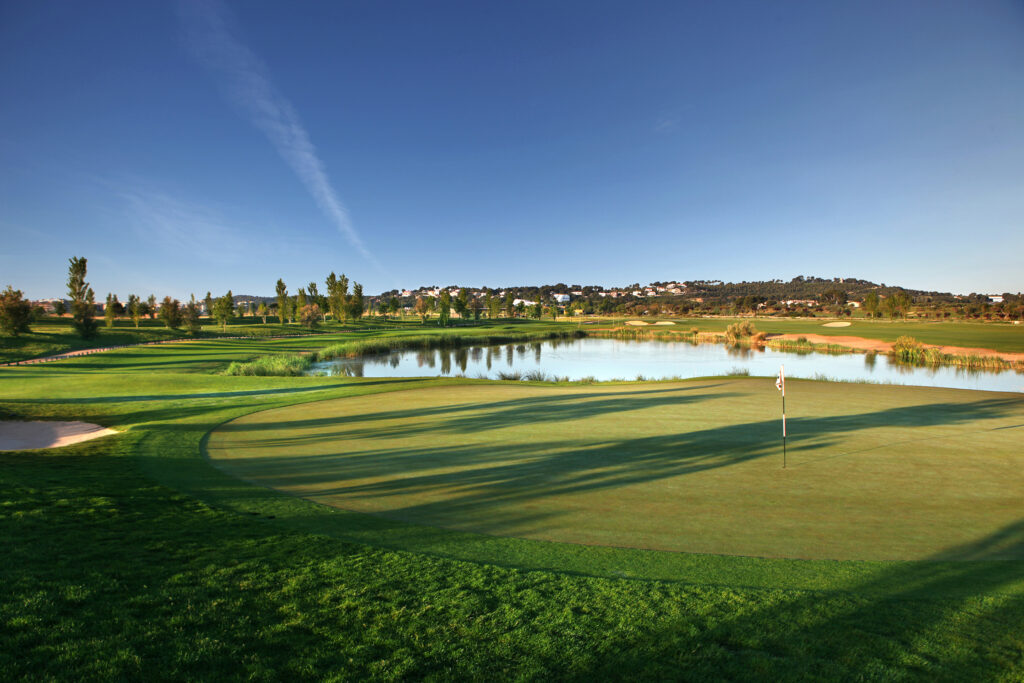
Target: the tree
(510, 305)
(493, 306)
(315, 297)
(223, 307)
(151, 307)
(444, 309)
(301, 300)
(15, 312)
(338, 299)
(282, 301)
(110, 311)
(191, 316)
(170, 313)
(83, 302)
(135, 309)
(395, 306)
(520, 308)
(59, 309)
(461, 303)
(537, 310)
(475, 306)
(310, 315)
(261, 311)
(356, 303)
(334, 305)
(422, 308)
(208, 301)
(871, 304)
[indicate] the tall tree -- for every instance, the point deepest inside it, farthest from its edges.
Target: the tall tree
(337, 297)
(282, 301)
(59, 309)
(319, 299)
(422, 308)
(109, 312)
(395, 306)
(170, 313)
(134, 309)
(461, 303)
(151, 307)
(334, 302)
(444, 308)
(15, 312)
(208, 302)
(510, 305)
(356, 302)
(475, 306)
(83, 302)
(190, 316)
(223, 307)
(301, 300)
(261, 311)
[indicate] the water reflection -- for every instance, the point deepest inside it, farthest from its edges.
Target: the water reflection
(605, 359)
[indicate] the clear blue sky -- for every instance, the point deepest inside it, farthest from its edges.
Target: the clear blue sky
(203, 146)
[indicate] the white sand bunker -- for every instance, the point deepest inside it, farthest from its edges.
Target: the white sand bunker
(636, 322)
(21, 436)
(836, 325)
(664, 322)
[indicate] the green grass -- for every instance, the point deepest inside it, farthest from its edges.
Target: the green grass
(997, 336)
(54, 336)
(132, 557)
(874, 472)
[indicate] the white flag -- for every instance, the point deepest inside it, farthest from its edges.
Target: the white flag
(780, 382)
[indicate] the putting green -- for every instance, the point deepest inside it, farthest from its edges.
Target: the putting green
(874, 472)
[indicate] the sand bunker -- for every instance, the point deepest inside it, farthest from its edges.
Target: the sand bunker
(664, 322)
(636, 322)
(21, 436)
(837, 324)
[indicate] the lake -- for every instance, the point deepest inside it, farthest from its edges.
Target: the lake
(607, 359)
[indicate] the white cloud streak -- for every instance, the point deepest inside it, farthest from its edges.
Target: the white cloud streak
(183, 228)
(244, 77)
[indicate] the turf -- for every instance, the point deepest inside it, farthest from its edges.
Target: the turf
(133, 557)
(1006, 337)
(874, 472)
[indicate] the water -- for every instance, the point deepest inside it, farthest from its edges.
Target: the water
(606, 359)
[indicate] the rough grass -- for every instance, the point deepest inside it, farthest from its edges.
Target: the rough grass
(132, 557)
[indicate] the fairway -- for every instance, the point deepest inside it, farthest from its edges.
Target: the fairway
(875, 472)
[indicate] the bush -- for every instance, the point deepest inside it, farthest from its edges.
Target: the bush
(15, 312)
(276, 366)
(740, 330)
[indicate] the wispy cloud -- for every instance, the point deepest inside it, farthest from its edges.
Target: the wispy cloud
(666, 124)
(209, 36)
(181, 228)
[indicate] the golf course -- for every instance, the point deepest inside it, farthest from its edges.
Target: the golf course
(282, 527)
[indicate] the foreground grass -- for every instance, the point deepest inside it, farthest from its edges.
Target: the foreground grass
(132, 557)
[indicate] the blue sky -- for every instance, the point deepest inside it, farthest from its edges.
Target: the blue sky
(205, 146)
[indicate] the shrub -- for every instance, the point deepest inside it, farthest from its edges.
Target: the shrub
(277, 366)
(15, 312)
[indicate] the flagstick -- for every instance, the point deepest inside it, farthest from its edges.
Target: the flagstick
(782, 374)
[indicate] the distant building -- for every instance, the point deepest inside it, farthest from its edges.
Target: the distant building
(561, 298)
